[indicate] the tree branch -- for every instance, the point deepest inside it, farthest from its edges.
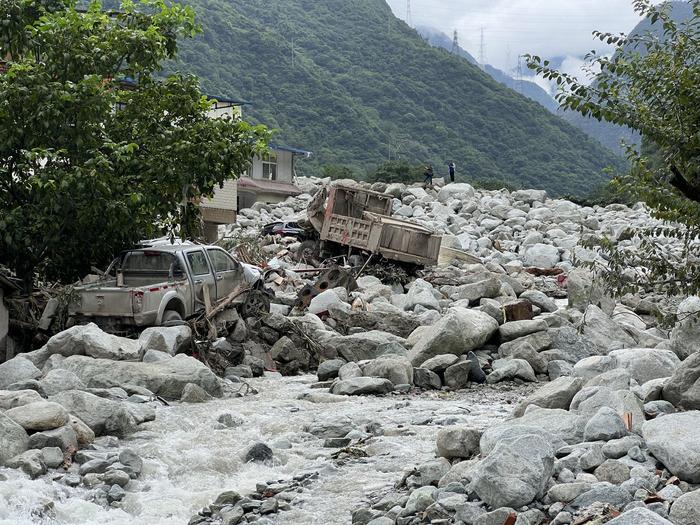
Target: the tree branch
(681, 184)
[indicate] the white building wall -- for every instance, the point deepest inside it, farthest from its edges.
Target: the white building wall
(224, 198)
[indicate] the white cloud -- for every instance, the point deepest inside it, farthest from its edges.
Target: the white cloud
(548, 28)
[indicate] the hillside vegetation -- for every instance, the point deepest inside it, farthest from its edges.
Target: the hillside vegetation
(357, 86)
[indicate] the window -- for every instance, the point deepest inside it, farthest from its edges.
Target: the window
(222, 261)
(147, 261)
(269, 165)
(198, 263)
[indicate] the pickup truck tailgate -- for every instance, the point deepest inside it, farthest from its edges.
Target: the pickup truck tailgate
(113, 302)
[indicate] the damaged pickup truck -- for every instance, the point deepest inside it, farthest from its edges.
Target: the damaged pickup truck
(165, 285)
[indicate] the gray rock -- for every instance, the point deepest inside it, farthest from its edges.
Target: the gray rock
(536, 360)
(234, 373)
(115, 493)
(42, 415)
(11, 399)
(459, 442)
(657, 408)
(457, 375)
(194, 394)
(13, 439)
(542, 256)
(360, 347)
(259, 452)
(64, 438)
(116, 477)
(83, 432)
(469, 513)
(395, 368)
(165, 378)
(89, 340)
(590, 399)
(539, 299)
(617, 448)
(326, 301)
(640, 516)
(685, 336)
(572, 345)
(349, 370)
(362, 386)
(602, 493)
(508, 369)
(593, 366)
(517, 329)
(60, 380)
(559, 368)
(30, 462)
(476, 374)
(458, 332)
(567, 426)
(17, 369)
(419, 500)
(674, 440)
(329, 369)
(474, 292)
(603, 331)
(427, 379)
(567, 492)
(154, 356)
(615, 379)
(52, 456)
(495, 517)
(104, 417)
(511, 429)
(645, 364)
(169, 340)
(686, 509)
(556, 394)
(94, 466)
(431, 472)
(421, 293)
(683, 388)
(130, 459)
(583, 289)
(440, 363)
(605, 425)
(612, 471)
(539, 341)
(592, 457)
(515, 472)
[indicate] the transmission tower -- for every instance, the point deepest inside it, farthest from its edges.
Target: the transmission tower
(409, 16)
(520, 75)
(455, 43)
(482, 50)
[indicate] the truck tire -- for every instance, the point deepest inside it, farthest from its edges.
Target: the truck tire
(257, 302)
(308, 251)
(171, 318)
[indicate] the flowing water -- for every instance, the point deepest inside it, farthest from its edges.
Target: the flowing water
(189, 458)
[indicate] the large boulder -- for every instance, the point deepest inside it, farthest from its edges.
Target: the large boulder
(513, 428)
(458, 442)
(542, 256)
(686, 509)
(164, 378)
(171, 340)
(675, 441)
(603, 332)
(13, 439)
(515, 473)
(685, 336)
(564, 425)
(683, 389)
(17, 398)
(645, 364)
(421, 293)
(473, 292)
(16, 370)
(583, 290)
(556, 394)
(590, 399)
(42, 415)
(455, 189)
(395, 368)
(516, 329)
(91, 341)
(510, 369)
(59, 380)
(458, 332)
(357, 386)
(103, 416)
(360, 347)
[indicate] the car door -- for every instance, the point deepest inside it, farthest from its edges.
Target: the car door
(201, 276)
(228, 271)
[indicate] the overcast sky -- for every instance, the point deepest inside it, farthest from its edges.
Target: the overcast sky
(548, 28)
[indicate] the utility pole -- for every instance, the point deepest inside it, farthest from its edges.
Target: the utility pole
(482, 50)
(455, 43)
(409, 16)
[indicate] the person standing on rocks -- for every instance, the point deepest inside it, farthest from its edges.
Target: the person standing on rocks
(451, 167)
(428, 181)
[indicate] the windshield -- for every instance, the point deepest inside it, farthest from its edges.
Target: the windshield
(147, 261)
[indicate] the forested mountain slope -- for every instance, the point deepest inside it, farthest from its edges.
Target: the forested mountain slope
(356, 86)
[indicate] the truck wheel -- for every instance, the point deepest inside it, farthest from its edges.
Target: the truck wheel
(308, 251)
(255, 304)
(171, 318)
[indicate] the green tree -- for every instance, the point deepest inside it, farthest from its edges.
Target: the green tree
(90, 162)
(397, 171)
(650, 84)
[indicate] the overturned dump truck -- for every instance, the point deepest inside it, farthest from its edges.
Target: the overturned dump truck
(358, 222)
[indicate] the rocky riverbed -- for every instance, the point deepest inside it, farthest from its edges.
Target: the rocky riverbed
(513, 391)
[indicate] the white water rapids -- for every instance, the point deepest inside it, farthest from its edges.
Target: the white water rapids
(189, 460)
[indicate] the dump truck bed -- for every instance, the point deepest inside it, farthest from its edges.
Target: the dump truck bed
(359, 219)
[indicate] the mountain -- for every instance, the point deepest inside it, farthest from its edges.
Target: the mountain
(357, 86)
